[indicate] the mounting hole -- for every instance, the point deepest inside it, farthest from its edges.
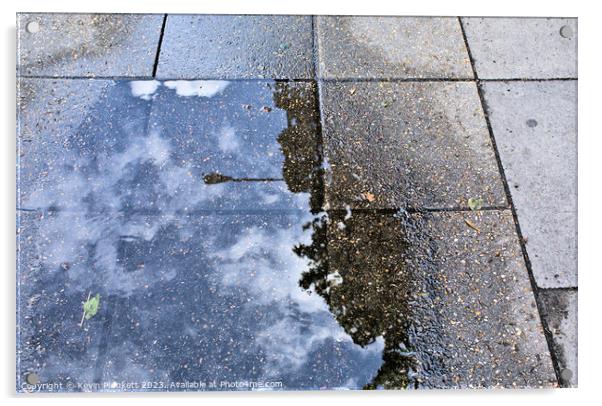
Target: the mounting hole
(33, 27)
(566, 31)
(32, 378)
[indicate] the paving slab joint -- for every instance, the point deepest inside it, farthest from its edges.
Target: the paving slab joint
(156, 65)
(534, 287)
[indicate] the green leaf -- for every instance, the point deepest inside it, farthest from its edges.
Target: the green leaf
(91, 306)
(475, 204)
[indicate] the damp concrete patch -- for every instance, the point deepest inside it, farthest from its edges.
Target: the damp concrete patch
(420, 145)
(560, 312)
(478, 290)
(390, 47)
(87, 44)
(241, 47)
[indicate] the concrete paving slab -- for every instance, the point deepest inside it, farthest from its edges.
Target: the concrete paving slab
(49, 308)
(391, 47)
(223, 297)
(407, 145)
(236, 131)
(87, 44)
(247, 318)
(63, 126)
(86, 146)
(482, 297)
(523, 48)
(453, 304)
(560, 311)
(236, 47)
(194, 299)
(535, 127)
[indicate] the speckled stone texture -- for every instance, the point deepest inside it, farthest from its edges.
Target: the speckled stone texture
(560, 311)
(227, 47)
(523, 48)
(123, 45)
(421, 145)
(490, 334)
(535, 127)
(391, 47)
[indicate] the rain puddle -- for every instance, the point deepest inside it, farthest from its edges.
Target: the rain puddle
(196, 210)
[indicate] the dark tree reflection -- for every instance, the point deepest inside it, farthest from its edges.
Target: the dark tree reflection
(357, 259)
(300, 141)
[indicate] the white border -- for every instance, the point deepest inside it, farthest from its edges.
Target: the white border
(590, 229)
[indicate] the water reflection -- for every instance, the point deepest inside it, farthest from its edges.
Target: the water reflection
(300, 141)
(357, 260)
(196, 246)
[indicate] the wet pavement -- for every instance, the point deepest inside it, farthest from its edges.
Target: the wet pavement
(390, 47)
(560, 309)
(246, 232)
(376, 136)
(87, 44)
(276, 47)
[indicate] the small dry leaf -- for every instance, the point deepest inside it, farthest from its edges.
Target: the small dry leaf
(352, 91)
(369, 196)
(472, 225)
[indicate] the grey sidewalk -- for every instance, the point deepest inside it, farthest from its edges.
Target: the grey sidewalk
(403, 114)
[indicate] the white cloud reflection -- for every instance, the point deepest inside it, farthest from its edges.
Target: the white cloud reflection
(93, 193)
(200, 88)
(262, 261)
(144, 88)
(227, 140)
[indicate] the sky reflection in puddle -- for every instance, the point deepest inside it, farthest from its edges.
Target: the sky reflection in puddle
(195, 210)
